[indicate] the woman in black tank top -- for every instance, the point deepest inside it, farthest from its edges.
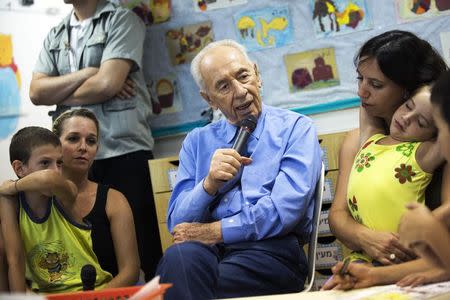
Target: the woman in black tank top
(107, 210)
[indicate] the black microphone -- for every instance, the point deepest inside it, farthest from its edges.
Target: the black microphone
(247, 126)
(88, 276)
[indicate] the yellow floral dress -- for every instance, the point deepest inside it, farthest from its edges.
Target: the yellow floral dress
(383, 179)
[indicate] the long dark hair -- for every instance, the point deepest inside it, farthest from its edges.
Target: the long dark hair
(404, 58)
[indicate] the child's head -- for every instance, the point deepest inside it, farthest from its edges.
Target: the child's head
(440, 99)
(413, 120)
(34, 148)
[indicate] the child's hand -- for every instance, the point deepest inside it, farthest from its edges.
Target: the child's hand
(420, 278)
(8, 188)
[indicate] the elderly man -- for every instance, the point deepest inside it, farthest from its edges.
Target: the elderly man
(239, 222)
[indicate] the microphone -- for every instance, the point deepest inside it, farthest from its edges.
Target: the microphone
(88, 276)
(247, 126)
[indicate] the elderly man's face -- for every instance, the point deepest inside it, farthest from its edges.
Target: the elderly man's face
(231, 83)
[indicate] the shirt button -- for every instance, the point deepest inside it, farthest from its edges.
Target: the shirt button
(225, 200)
(231, 221)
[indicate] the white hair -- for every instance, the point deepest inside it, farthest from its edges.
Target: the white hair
(195, 64)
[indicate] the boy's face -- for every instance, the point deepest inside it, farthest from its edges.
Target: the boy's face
(413, 121)
(443, 132)
(42, 158)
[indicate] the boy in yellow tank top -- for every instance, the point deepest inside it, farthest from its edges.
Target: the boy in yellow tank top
(54, 244)
(392, 170)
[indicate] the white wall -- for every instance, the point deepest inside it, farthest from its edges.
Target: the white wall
(29, 26)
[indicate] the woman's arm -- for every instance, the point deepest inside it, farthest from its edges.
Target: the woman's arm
(124, 239)
(378, 245)
(13, 244)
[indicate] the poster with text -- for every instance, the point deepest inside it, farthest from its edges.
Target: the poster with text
(264, 28)
(150, 11)
(311, 70)
(205, 5)
(413, 10)
(185, 42)
(338, 17)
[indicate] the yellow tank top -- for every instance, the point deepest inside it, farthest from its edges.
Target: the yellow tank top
(56, 249)
(383, 179)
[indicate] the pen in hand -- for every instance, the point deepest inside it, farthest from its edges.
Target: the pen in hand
(344, 268)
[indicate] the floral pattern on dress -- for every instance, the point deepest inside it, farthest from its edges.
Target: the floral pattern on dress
(364, 161)
(353, 204)
(404, 173)
(406, 149)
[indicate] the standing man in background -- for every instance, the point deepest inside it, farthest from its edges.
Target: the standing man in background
(93, 59)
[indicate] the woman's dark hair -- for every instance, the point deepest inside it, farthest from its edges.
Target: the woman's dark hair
(440, 96)
(404, 58)
(58, 124)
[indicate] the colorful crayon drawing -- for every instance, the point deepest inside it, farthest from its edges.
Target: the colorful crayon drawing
(311, 70)
(265, 28)
(9, 88)
(165, 95)
(412, 10)
(335, 17)
(185, 42)
(205, 5)
(150, 11)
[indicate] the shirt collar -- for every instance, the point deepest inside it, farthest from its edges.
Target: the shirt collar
(231, 130)
(75, 23)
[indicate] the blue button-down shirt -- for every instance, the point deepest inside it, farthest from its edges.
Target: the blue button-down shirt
(275, 194)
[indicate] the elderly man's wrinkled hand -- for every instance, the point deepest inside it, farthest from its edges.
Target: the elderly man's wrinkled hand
(207, 233)
(225, 164)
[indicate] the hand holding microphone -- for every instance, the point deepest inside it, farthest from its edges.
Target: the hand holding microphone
(225, 163)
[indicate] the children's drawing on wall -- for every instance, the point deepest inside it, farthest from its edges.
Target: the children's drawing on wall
(9, 88)
(335, 17)
(412, 10)
(311, 70)
(185, 42)
(270, 27)
(150, 11)
(165, 95)
(205, 5)
(445, 43)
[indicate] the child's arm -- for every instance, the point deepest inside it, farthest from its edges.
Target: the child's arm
(49, 183)
(369, 126)
(13, 244)
(429, 156)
